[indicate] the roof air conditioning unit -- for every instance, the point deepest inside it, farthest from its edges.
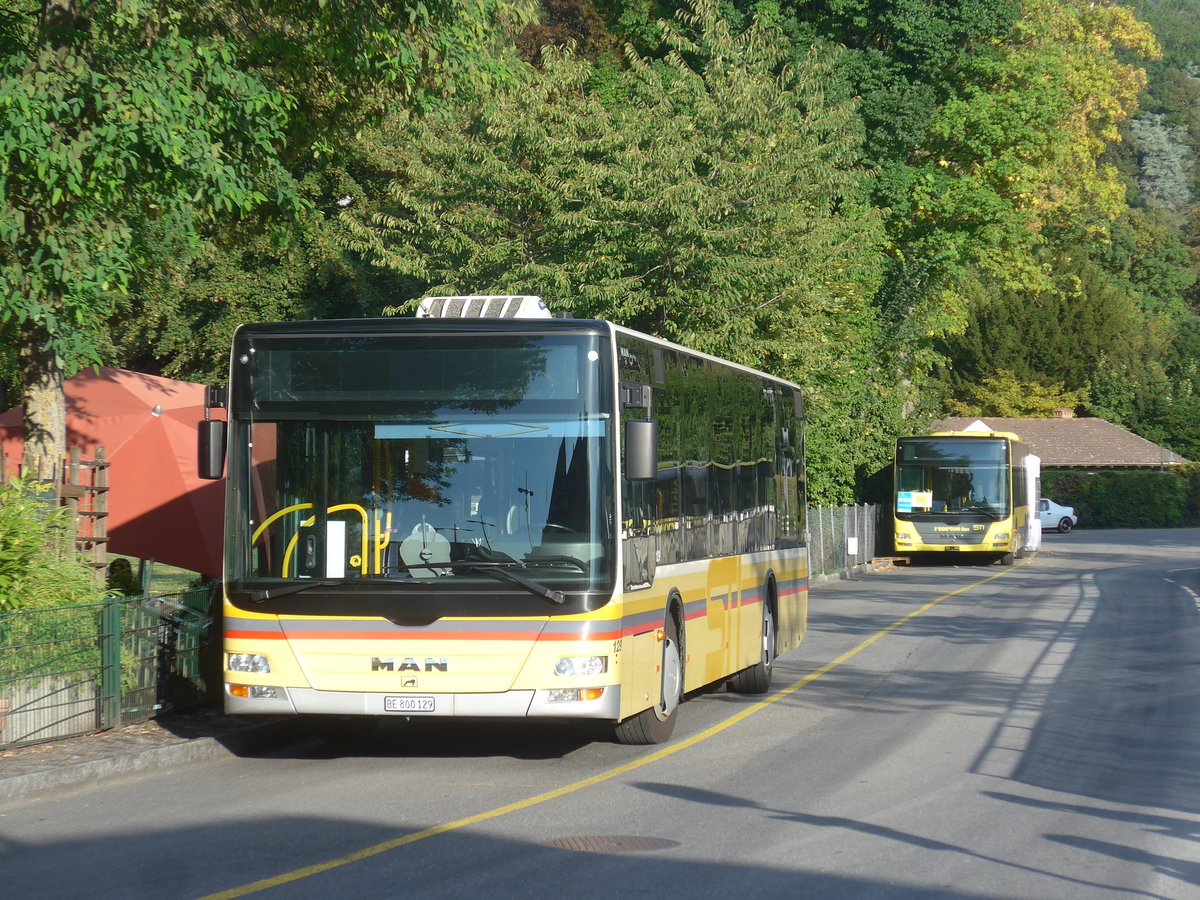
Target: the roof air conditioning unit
(493, 306)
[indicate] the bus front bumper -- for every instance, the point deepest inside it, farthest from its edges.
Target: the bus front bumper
(506, 705)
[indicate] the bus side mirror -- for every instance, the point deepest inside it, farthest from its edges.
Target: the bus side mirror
(641, 450)
(211, 450)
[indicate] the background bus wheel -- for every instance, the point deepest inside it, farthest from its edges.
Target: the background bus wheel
(656, 724)
(757, 678)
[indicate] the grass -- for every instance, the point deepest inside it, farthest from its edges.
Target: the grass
(164, 579)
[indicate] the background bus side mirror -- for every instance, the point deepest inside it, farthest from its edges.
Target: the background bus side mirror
(211, 450)
(641, 450)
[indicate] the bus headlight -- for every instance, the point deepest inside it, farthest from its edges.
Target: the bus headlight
(581, 665)
(1004, 536)
(903, 536)
(249, 662)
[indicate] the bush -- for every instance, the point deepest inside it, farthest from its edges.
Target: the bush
(1129, 499)
(39, 567)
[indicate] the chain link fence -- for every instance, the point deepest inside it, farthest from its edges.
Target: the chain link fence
(842, 537)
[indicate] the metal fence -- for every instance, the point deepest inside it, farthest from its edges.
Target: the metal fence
(78, 669)
(842, 537)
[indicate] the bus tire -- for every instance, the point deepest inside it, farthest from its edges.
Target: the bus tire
(757, 678)
(1006, 559)
(656, 724)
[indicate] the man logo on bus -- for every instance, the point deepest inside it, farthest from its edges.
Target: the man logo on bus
(388, 664)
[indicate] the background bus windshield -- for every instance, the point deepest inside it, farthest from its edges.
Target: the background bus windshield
(940, 475)
(430, 457)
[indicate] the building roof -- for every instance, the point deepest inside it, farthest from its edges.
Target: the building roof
(1083, 443)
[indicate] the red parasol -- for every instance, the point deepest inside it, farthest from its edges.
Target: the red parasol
(157, 506)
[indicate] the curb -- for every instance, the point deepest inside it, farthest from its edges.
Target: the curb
(875, 565)
(251, 739)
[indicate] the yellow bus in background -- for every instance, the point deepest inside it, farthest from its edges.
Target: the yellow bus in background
(485, 512)
(963, 492)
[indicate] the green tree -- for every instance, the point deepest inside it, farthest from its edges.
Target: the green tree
(1004, 395)
(1016, 160)
(1156, 397)
(717, 205)
(1056, 335)
(104, 115)
(121, 122)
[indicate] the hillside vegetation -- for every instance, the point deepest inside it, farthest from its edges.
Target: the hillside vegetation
(912, 208)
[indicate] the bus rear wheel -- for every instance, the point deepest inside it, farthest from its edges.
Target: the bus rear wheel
(656, 724)
(757, 678)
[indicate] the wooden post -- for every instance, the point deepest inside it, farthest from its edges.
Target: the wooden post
(87, 498)
(100, 507)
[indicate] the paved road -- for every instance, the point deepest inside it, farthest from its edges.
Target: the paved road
(957, 732)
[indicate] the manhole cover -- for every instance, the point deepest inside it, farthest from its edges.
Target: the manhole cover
(610, 843)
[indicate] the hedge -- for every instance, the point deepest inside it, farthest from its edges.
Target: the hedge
(1128, 498)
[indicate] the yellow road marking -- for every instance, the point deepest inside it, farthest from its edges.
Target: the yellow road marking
(662, 753)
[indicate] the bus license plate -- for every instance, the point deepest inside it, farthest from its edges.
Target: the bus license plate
(408, 704)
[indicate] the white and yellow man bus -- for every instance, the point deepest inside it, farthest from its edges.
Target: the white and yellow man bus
(479, 513)
(963, 492)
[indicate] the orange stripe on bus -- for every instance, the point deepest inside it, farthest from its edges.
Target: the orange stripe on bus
(427, 636)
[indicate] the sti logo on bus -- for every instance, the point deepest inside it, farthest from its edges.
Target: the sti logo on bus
(408, 664)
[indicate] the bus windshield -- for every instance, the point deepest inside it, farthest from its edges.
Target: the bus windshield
(439, 460)
(952, 475)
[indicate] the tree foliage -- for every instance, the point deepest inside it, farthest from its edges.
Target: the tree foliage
(121, 120)
(108, 117)
(853, 193)
(1004, 395)
(717, 204)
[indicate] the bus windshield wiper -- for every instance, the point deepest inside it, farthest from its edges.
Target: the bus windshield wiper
(505, 570)
(261, 596)
(557, 560)
(981, 509)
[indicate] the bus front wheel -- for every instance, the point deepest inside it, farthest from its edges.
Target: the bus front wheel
(656, 724)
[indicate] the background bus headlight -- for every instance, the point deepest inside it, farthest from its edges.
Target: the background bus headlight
(581, 665)
(249, 662)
